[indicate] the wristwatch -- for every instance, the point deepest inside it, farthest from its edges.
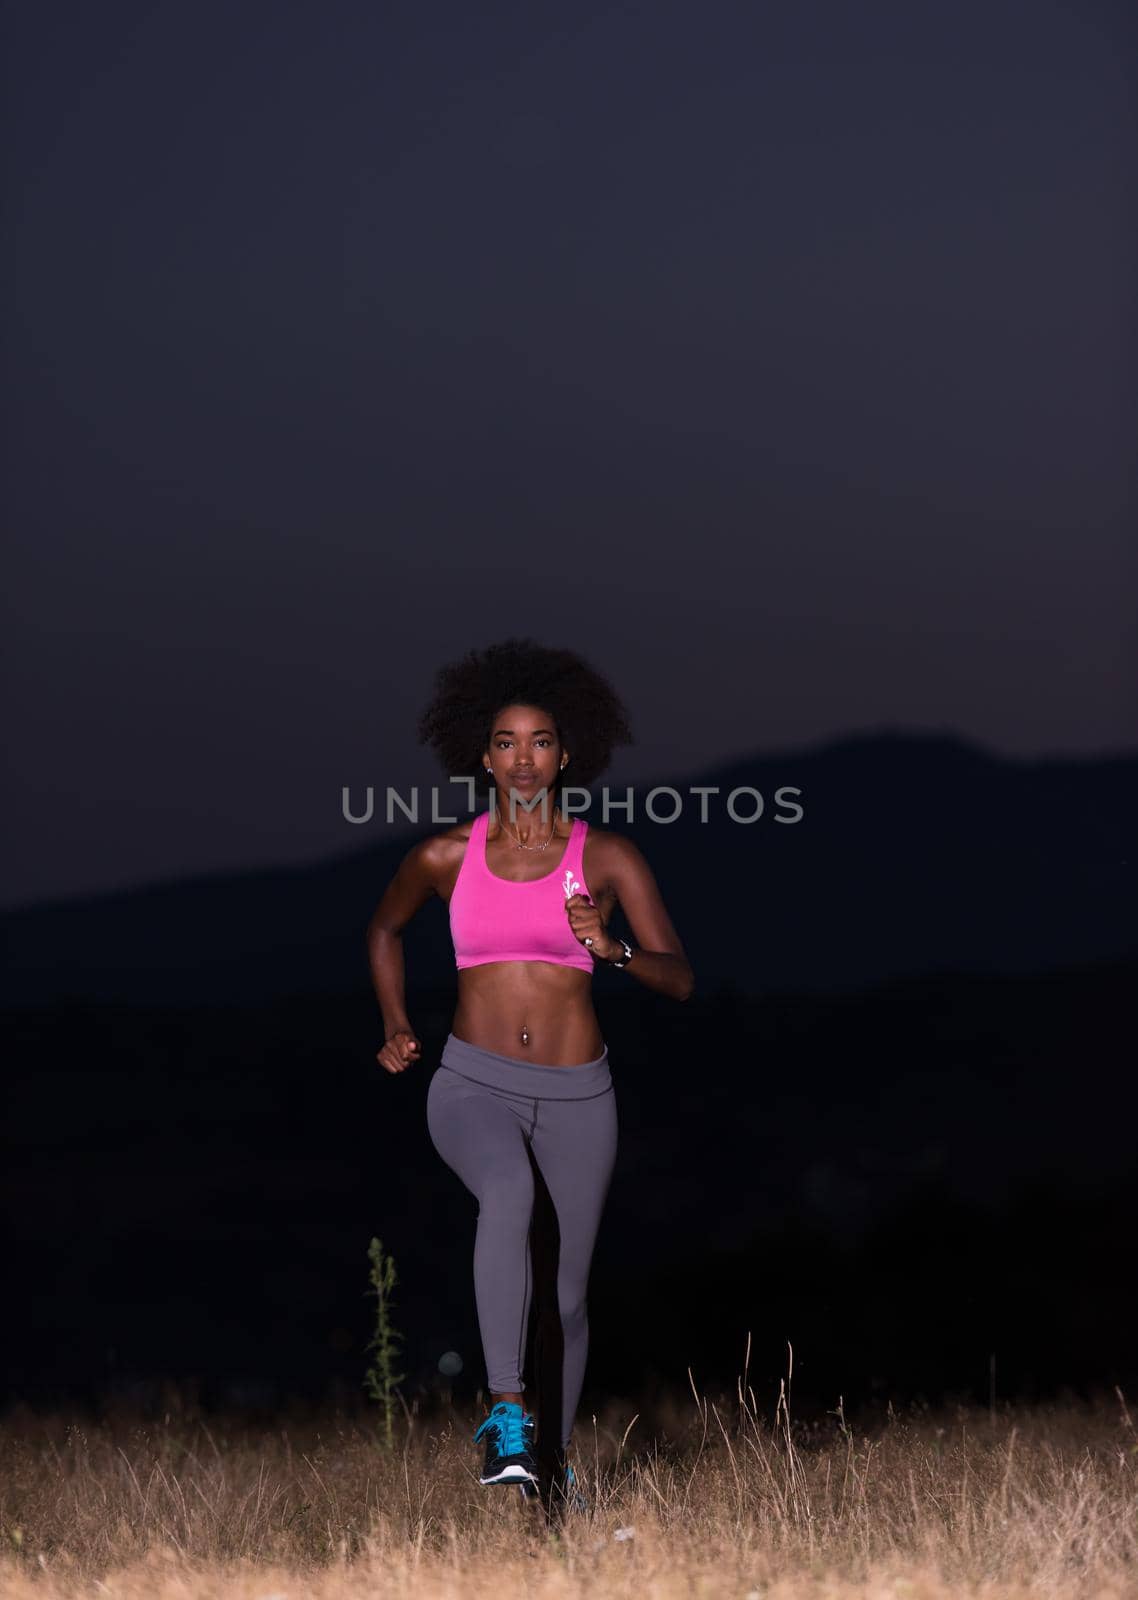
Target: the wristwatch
(626, 958)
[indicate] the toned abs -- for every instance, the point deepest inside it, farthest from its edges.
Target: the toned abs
(499, 999)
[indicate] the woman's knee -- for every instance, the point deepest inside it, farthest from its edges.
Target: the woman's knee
(574, 1311)
(572, 1293)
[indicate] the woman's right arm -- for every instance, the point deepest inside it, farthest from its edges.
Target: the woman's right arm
(410, 888)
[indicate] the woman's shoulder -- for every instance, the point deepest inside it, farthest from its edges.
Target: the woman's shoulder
(461, 829)
(608, 835)
(437, 851)
(604, 846)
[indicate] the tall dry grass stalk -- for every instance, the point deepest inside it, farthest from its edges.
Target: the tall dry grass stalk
(719, 1501)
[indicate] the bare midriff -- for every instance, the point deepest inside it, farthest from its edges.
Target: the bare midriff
(551, 1005)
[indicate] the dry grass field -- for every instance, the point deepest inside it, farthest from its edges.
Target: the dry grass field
(712, 1499)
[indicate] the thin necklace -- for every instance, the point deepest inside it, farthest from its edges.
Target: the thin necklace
(520, 845)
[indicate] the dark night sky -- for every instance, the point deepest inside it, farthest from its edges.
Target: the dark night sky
(781, 358)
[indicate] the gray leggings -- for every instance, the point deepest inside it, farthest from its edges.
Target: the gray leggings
(485, 1112)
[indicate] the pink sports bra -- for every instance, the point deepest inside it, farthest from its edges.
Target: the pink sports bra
(492, 919)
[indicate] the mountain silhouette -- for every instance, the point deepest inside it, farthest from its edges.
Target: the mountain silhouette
(913, 854)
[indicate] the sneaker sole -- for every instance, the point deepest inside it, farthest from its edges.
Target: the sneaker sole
(511, 1474)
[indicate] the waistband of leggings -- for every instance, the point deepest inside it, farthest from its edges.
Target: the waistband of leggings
(532, 1079)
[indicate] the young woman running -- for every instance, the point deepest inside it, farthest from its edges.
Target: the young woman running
(525, 1068)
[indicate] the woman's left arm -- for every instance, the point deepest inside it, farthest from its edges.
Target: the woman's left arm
(658, 958)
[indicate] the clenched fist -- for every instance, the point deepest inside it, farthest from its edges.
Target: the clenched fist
(588, 926)
(399, 1051)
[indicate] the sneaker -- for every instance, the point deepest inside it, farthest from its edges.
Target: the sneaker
(509, 1445)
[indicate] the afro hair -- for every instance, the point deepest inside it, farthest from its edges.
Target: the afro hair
(587, 712)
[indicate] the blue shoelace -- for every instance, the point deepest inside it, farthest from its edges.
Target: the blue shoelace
(509, 1421)
(572, 1489)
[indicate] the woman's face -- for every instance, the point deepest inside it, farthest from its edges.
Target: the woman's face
(524, 752)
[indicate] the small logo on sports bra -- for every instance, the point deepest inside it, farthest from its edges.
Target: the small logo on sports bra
(570, 884)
